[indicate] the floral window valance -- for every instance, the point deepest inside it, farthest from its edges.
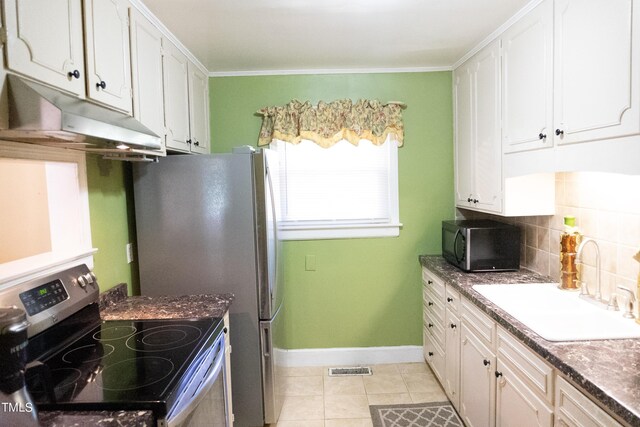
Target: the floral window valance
(328, 123)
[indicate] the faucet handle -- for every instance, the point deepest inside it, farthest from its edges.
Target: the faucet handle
(613, 302)
(629, 297)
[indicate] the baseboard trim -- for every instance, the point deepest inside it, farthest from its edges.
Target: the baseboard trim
(349, 356)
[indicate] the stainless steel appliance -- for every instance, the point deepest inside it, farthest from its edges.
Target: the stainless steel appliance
(39, 113)
(174, 368)
(481, 245)
(13, 358)
(207, 224)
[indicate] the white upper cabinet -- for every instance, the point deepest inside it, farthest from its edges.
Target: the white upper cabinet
(176, 92)
(597, 69)
(107, 51)
(463, 107)
(487, 171)
(527, 81)
(44, 41)
(146, 67)
(478, 153)
(199, 110)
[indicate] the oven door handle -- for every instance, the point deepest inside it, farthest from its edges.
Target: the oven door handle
(207, 383)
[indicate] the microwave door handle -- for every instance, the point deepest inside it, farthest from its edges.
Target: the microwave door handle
(455, 246)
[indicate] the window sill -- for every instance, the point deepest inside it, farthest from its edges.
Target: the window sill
(348, 231)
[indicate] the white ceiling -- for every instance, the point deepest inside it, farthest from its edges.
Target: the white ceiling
(305, 35)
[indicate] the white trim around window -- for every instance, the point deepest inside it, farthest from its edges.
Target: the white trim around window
(385, 222)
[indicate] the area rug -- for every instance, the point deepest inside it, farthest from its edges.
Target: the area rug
(432, 414)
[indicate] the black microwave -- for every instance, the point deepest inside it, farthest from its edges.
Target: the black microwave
(481, 245)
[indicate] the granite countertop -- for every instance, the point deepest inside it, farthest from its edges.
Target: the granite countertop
(168, 307)
(115, 305)
(97, 418)
(608, 370)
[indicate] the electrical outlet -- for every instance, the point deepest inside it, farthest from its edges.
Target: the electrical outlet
(129, 249)
(310, 263)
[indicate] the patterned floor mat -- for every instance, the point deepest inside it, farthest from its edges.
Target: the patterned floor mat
(432, 414)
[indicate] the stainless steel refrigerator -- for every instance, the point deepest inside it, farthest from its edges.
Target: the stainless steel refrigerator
(207, 224)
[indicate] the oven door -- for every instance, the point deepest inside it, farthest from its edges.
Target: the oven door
(206, 402)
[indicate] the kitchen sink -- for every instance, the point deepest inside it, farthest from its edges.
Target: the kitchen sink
(558, 315)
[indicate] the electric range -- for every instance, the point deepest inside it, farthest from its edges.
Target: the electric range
(79, 362)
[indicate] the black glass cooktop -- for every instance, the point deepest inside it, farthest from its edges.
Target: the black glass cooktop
(141, 364)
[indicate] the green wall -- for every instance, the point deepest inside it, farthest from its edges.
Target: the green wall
(364, 292)
(112, 221)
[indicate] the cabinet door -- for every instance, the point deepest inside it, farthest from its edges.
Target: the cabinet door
(477, 381)
(452, 358)
(44, 42)
(574, 409)
(487, 153)
(463, 116)
(527, 77)
(434, 356)
(516, 404)
(146, 66)
(107, 47)
(597, 80)
(176, 92)
(199, 110)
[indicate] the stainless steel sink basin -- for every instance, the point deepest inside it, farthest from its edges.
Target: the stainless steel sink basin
(558, 315)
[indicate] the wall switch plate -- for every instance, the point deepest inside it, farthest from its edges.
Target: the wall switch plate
(310, 263)
(129, 249)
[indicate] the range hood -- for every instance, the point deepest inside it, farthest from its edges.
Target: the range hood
(43, 115)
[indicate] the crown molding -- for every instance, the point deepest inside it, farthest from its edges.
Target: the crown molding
(327, 71)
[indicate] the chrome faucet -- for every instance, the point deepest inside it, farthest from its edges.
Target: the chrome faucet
(585, 291)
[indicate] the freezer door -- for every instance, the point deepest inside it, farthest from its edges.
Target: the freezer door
(271, 337)
(268, 245)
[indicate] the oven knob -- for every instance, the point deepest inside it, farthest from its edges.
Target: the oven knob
(94, 279)
(82, 281)
(89, 278)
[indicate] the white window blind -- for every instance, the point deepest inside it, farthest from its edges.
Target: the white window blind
(336, 192)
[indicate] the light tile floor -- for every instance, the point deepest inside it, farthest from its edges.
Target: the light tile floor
(314, 399)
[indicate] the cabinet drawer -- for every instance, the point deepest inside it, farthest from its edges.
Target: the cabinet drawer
(530, 368)
(575, 409)
(434, 356)
(433, 305)
(452, 299)
(481, 324)
(432, 282)
(435, 328)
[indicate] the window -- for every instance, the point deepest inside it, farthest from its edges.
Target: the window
(344, 191)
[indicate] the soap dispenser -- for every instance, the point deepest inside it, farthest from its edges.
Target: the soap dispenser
(569, 242)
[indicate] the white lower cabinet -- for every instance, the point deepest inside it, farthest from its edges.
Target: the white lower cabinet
(434, 356)
(490, 377)
(516, 404)
(477, 380)
(452, 358)
(574, 409)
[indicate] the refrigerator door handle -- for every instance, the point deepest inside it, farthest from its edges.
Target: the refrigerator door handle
(266, 341)
(274, 225)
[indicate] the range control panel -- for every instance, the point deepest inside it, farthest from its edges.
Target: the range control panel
(41, 298)
(51, 298)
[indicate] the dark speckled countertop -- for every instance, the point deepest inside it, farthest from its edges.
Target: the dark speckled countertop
(168, 307)
(608, 370)
(115, 305)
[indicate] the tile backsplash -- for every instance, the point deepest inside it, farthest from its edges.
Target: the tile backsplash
(607, 209)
